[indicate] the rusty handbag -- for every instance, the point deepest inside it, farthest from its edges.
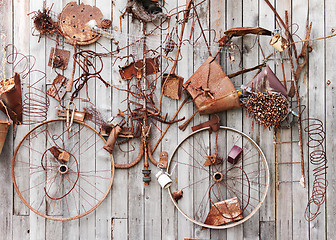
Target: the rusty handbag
(211, 89)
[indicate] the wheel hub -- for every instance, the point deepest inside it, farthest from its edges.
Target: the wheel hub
(217, 177)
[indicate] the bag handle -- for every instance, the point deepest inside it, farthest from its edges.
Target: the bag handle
(5, 109)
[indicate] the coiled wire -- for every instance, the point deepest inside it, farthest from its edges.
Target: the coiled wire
(35, 103)
(317, 158)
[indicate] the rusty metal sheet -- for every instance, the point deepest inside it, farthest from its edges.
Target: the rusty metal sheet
(59, 58)
(135, 69)
(224, 212)
(58, 88)
(265, 81)
(10, 94)
(213, 123)
(242, 31)
(211, 90)
(72, 23)
(173, 86)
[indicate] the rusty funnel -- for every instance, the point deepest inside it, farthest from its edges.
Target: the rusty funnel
(211, 89)
(265, 81)
(10, 95)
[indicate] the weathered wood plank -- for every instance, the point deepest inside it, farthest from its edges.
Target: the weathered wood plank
(251, 58)
(119, 229)
(234, 117)
(284, 193)
(267, 210)
(330, 121)
(185, 175)
(6, 190)
(316, 86)
(300, 226)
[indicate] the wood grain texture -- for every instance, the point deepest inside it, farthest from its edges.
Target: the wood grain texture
(134, 211)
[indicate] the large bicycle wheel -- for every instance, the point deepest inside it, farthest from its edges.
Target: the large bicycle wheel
(218, 192)
(60, 174)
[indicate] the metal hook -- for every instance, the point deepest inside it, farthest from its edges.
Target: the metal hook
(69, 121)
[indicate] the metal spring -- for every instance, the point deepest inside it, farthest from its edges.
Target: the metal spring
(318, 158)
(35, 103)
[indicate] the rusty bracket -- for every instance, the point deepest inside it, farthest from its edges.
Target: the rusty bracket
(163, 162)
(78, 116)
(213, 123)
(58, 88)
(59, 58)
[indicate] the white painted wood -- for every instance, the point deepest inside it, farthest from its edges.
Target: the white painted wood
(218, 13)
(119, 229)
(251, 58)
(135, 211)
(185, 175)
(330, 123)
(316, 86)
(300, 8)
(6, 211)
(267, 210)
(234, 18)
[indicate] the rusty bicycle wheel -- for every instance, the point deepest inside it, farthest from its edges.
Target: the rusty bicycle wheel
(60, 174)
(223, 175)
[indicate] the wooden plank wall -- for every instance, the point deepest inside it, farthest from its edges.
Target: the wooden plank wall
(134, 211)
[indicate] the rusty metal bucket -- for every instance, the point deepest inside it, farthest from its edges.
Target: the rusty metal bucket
(211, 89)
(4, 126)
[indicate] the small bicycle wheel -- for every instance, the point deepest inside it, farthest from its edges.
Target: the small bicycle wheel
(62, 174)
(218, 192)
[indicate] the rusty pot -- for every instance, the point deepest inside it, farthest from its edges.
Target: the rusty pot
(211, 89)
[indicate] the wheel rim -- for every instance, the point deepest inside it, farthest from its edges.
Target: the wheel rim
(56, 189)
(187, 171)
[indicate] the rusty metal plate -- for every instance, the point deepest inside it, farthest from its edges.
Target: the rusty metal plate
(211, 89)
(172, 86)
(242, 31)
(135, 69)
(59, 59)
(58, 88)
(72, 23)
(224, 212)
(10, 94)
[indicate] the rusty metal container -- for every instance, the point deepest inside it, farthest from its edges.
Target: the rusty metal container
(266, 81)
(4, 126)
(224, 212)
(211, 89)
(10, 94)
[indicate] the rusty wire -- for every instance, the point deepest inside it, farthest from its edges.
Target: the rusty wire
(35, 102)
(318, 158)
